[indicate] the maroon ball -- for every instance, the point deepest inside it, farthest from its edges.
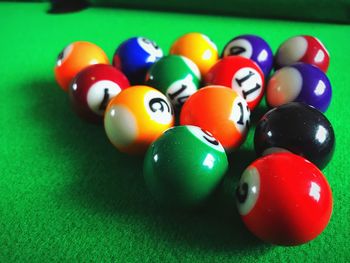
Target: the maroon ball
(92, 89)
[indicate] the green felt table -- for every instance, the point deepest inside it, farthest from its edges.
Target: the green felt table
(66, 195)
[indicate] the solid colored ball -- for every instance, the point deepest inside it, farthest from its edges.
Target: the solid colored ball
(74, 58)
(137, 117)
(307, 49)
(300, 82)
(93, 88)
(252, 47)
(184, 166)
(298, 128)
(197, 47)
(219, 110)
(284, 199)
(242, 75)
(176, 76)
(135, 56)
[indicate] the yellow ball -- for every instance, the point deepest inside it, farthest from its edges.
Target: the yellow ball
(136, 117)
(197, 47)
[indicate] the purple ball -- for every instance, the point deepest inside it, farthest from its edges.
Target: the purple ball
(252, 47)
(300, 82)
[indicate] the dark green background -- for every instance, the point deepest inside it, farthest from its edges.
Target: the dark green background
(306, 10)
(320, 10)
(66, 195)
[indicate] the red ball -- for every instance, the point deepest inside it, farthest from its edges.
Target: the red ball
(93, 88)
(242, 75)
(284, 199)
(307, 49)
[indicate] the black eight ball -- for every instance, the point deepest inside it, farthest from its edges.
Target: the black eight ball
(298, 128)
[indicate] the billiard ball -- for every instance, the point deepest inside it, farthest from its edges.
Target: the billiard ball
(136, 117)
(284, 199)
(219, 110)
(307, 49)
(197, 47)
(74, 58)
(176, 76)
(242, 75)
(298, 128)
(184, 166)
(300, 82)
(93, 88)
(135, 56)
(252, 47)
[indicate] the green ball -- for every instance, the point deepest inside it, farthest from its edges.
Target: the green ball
(176, 76)
(184, 166)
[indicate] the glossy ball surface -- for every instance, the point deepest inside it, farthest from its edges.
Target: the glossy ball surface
(175, 76)
(93, 88)
(252, 47)
(307, 49)
(135, 56)
(242, 75)
(197, 47)
(298, 128)
(284, 199)
(300, 82)
(74, 58)
(184, 166)
(219, 110)
(137, 117)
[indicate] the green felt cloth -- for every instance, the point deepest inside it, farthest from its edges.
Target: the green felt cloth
(66, 195)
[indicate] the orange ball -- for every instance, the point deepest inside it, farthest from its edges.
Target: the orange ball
(219, 110)
(74, 58)
(197, 47)
(136, 117)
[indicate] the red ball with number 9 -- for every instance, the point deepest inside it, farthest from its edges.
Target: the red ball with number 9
(242, 75)
(219, 110)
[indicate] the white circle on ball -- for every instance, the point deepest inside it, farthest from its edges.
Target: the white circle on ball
(100, 93)
(272, 150)
(248, 83)
(120, 126)
(65, 53)
(284, 86)
(180, 90)
(249, 185)
(240, 114)
(206, 137)
(158, 107)
(151, 48)
(239, 47)
(192, 66)
(291, 51)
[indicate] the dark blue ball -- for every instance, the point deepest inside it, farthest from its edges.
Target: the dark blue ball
(300, 82)
(135, 56)
(252, 47)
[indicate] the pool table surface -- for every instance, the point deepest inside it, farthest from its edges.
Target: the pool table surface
(66, 195)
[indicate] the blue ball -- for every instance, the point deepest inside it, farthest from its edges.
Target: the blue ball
(300, 82)
(135, 56)
(252, 47)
